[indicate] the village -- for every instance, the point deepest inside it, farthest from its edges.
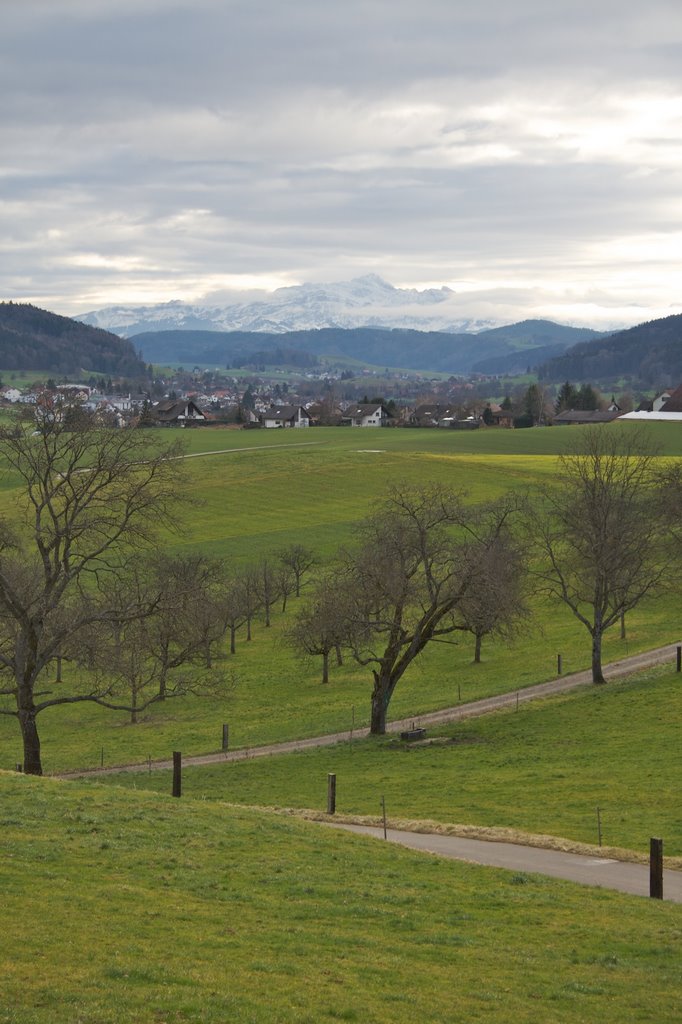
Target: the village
(214, 399)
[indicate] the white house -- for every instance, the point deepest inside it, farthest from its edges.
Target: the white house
(286, 416)
(364, 415)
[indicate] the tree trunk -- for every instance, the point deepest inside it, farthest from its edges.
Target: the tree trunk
(597, 674)
(381, 698)
(31, 740)
(162, 682)
(207, 654)
(339, 659)
(477, 649)
(233, 639)
(622, 626)
(325, 667)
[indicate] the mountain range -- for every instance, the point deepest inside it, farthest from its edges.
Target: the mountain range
(366, 319)
(650, 353)
(367, 301)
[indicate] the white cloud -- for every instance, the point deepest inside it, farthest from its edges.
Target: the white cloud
(528, 152)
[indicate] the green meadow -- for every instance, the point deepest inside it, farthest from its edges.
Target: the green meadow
(272, 488)
(122, 905)
(542, 769)
(134, 908)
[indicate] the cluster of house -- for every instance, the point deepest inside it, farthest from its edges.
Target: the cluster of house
(123, 410)
(373, 414)
(666, 406)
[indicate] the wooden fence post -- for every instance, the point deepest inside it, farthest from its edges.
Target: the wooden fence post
(656, 869)
(177, 773)
(331, 793)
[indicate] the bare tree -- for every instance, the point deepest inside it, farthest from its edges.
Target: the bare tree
(285, 583)
(234, 608)
(419, 556)
(497, 605)
(320, 627)
(248, 584)
(602, 532)
(265, 583)
(186, 620)
(149, 649)
(300, 560)
(90, 498)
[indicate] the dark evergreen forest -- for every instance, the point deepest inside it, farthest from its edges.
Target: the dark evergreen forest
(33, 339)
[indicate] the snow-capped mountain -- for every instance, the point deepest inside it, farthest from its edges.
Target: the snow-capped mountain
(367, 301)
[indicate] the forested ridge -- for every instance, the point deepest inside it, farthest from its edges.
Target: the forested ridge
(34, 339)
(650, 352)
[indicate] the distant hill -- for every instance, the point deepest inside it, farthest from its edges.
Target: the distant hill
(650, 352)
(435, 351)
(33, 339)
(535, 341)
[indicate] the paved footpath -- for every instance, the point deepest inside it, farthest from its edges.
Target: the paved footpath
(597, 871)
(626, 666)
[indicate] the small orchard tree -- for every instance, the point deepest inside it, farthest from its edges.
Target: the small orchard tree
(602, 531)
(186, 620)
(234, 607)
(497, 606)
(247, 583)
(299, 560)
(265, 583)
(319, 627)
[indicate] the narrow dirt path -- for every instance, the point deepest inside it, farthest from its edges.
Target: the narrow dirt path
(625, 666)
(597, 871)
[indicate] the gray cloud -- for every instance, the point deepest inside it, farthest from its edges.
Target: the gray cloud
(527, 154)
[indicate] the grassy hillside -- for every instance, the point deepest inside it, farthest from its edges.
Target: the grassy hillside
(282, 487)
(543, 769)
(130, 908)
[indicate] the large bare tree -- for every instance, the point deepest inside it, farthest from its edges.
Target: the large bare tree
(602, 531)
(420, 554)
(87, 499)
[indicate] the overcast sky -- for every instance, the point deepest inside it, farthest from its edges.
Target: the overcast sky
(526, 153)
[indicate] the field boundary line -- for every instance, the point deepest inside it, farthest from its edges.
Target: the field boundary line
(251, 448)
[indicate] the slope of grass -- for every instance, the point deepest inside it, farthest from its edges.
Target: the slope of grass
(542, 769)
(129, 908)
(271, 695)
(253, 501)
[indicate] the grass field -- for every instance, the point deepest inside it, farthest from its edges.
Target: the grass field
(130, 908)
(543, 769)
(282, 487)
